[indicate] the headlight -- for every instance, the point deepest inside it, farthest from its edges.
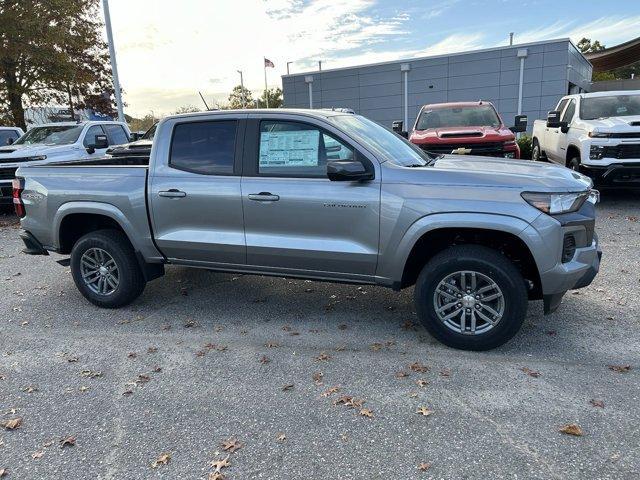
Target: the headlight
(556, 203)
(599, 135)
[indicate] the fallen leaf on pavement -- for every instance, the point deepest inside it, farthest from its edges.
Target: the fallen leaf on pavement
(264, 360)
(3, 472)
(330, 391)
(445, 372)
(376, 346)
(220, 464)
(531, 373)
(90, 373)
(317, 378)
(418, 367)
(282, 437)
(422, 382)
(67, 442)
(132, 355)
(572, 429)
(287, 387)
(424, 411)
(30, 389)
(323, 357)
(13, 423)
(597, 403)
(620, 368)
(216, 476)
(424, 466)
(231, 445)
(408, 325)
(152, 349)
(161, 460)
(37, 454)
(365, 412)
(401, 374)
(272, 344)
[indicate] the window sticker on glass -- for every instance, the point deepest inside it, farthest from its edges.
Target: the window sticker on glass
(289, 149)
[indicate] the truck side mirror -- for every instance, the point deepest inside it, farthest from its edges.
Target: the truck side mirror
(134, 136)
(553, 119)
(397, 126)
(520, 124)
(10, 140)
(347, 171)
(101, 141)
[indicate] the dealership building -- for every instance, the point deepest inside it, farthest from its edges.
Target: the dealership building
(518, 79)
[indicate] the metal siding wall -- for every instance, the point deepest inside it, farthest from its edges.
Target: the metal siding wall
(376, 91)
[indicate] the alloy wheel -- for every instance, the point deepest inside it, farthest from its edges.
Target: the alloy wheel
(99, 271)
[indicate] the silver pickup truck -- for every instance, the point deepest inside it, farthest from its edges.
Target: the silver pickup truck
(321, 195)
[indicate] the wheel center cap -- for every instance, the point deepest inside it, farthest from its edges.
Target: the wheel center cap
(468, 301)
(103, 271)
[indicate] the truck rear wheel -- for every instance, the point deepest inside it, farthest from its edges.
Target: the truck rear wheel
(105, 269)
(471, 297)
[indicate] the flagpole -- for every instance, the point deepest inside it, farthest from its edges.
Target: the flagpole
(266, 92)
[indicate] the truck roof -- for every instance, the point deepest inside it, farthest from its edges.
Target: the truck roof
(73, 124)
(311, 112)
(610, 93)
(435, 106)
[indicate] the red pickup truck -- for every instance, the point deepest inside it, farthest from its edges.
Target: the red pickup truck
(473, 128)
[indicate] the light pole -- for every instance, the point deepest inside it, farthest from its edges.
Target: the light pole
(242, 88)
(112, 57)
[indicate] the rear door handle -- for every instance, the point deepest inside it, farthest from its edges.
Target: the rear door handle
(172, 193)
(264, 197)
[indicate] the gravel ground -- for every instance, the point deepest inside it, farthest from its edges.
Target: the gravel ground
(203, 357)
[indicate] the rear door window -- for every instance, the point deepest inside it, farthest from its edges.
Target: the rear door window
(207, 148)
(7, 135)
(116, 134)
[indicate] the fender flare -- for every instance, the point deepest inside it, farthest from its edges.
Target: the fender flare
(95, 208)
(437, 221)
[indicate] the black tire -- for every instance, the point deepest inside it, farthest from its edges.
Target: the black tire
(574, 163)
(131, 281)
(493, 265)
(536, 152)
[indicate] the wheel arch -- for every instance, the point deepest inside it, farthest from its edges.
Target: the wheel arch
(429, 236)
(572, 150)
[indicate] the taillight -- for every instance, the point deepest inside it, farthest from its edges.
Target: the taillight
(18, 186)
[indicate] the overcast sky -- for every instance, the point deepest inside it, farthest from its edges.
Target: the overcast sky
(169, 50)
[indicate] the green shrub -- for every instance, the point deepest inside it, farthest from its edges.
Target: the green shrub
(524, 142)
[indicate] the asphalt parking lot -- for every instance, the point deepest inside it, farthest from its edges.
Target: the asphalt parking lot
(202, 358)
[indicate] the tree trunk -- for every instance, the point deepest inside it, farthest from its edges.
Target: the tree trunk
(14, 95)
(73, 115)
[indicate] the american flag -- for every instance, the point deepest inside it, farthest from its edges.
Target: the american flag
(268, 63)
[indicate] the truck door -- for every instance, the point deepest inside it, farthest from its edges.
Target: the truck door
(563, 137)
(194, 191)
(296, 219)
(552, 138)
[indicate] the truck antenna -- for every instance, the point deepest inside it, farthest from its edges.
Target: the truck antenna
(203, 100)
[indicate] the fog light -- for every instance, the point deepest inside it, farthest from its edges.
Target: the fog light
(568, 248)
(596, 152)
(510, 155)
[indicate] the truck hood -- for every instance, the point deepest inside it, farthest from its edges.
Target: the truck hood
(462, 134)
(525, 175)
(11, 152)
(616, 124)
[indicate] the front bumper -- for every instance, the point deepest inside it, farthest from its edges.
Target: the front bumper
(622, 175)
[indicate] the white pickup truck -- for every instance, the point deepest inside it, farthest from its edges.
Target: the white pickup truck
(55, 142)
(597, 134)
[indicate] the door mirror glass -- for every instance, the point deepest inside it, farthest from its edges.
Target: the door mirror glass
(100, 141)
(553, 119)
(347, 171)
(520, 124)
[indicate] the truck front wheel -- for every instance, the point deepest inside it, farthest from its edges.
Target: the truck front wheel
(536, 152)
(105, 269)
(471, 297)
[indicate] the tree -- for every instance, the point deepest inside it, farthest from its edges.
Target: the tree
(241, 97)
(142, 124)
(587, 46)
(275, 98)
(186, 109)
(51, 51)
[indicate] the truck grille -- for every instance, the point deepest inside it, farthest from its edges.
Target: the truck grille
(490, 149)
(622, 151)
(7, 173)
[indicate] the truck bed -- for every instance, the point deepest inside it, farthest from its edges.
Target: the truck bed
(112, 187)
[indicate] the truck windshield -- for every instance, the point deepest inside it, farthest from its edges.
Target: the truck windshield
(385, 144)
(609, 106)
(149, 134)
(52, 135)
(471, 116)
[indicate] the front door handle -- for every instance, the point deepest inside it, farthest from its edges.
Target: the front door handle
(264, 197)
(172, 193)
